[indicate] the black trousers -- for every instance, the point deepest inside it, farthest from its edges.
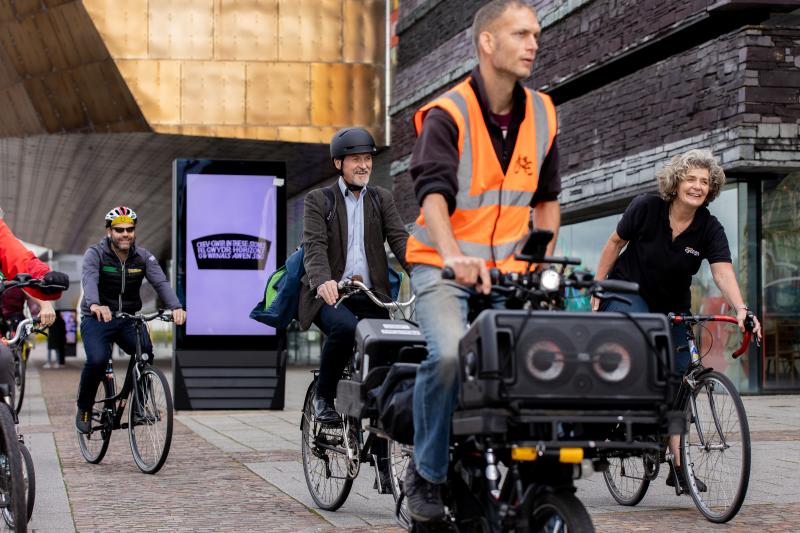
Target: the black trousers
(339, 327)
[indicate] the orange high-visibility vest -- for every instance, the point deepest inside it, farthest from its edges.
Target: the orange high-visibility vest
(493, 210)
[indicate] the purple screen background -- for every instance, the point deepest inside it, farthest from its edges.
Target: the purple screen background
(218, 302)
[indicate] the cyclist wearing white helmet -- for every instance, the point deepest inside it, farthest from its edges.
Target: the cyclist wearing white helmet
(113, 271)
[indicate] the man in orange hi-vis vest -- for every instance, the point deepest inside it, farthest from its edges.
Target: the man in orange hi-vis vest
(485, 158)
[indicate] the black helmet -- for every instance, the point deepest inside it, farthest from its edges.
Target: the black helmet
(349, 141)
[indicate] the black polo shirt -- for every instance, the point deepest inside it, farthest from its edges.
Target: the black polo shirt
(663, 268)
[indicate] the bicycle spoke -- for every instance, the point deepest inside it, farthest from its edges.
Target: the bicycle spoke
(717, 448)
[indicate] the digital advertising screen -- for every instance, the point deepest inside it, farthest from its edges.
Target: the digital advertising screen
(230, 236)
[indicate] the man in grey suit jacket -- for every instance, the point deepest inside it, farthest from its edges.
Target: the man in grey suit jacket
(349, 244)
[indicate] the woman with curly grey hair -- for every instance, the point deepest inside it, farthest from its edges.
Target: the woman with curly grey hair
(667, 236)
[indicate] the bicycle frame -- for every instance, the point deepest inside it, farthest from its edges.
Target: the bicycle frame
(116, 404)
(696, 370)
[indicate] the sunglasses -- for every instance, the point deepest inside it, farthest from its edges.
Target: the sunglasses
(120, 231)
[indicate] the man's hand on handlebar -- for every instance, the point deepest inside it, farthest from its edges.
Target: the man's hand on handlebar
(329, 292)
(179, 316)
(101, 312)
(47, 315)
(470, 271)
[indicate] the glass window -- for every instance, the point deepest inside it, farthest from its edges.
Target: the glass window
(719, 339)
(781, 282)
(585, 240)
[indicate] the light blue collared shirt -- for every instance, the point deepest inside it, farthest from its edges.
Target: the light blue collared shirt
(356, 254)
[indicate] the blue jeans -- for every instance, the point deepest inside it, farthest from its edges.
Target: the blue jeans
(98, 338)
(441, 308)
(638, 305)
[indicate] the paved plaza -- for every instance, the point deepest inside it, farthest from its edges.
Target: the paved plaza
(241, 471)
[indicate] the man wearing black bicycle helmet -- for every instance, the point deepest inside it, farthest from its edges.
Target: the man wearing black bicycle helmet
(344, 229)
(113, 272)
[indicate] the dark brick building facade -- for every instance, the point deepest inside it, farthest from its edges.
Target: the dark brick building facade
(635, 82)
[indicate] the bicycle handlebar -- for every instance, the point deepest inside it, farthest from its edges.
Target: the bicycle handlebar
(357, 286)
(162, 314)
(692, 320)
(22, 330)
(25, 280)
(531, 281)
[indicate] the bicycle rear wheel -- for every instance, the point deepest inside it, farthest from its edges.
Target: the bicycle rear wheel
(94, 445)
(628, 478)
(400, 456)
(150, 420)
(29, 475)
(12, 484)
(328, 475)
(20, 367)
(716, 449)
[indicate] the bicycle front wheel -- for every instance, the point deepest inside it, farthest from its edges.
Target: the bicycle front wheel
(12, 484)
(560, 512)
(20, 367)
(150, 420)
(715, 453)
(94, 444)
(325, 466)
(29, 475)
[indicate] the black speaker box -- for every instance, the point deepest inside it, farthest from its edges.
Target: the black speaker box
(545, 359)
(382, 342)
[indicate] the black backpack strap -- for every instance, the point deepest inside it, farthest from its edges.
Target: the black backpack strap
(330, 204)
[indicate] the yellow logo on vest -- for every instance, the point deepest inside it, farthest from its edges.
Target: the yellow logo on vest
(134, 270)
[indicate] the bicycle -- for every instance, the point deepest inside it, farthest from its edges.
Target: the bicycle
(718, 436)
(150, 410)
(21, 352)
(23, 331)
(332, 454)
(17, 475)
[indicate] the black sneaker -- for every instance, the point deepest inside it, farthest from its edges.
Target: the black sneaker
(424, 498)
(83, 421)
(701, 487)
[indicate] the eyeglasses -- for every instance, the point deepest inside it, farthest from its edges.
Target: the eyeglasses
(120, 231)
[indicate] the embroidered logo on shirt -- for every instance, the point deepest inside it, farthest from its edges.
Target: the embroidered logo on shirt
(524, 164)
(690, 250)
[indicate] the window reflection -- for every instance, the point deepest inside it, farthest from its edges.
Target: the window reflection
(719, 339)
(781, 282)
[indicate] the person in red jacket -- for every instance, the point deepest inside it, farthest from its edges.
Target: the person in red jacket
(15, 259)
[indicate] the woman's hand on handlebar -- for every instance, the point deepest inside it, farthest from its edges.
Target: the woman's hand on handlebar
(470, 271)
(742, 315)
(329, 292)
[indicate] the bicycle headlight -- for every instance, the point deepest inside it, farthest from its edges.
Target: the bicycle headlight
(545, 360)
(611, 361)
(550, 280)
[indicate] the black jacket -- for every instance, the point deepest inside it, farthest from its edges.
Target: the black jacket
(108, 281)
(326, 244)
